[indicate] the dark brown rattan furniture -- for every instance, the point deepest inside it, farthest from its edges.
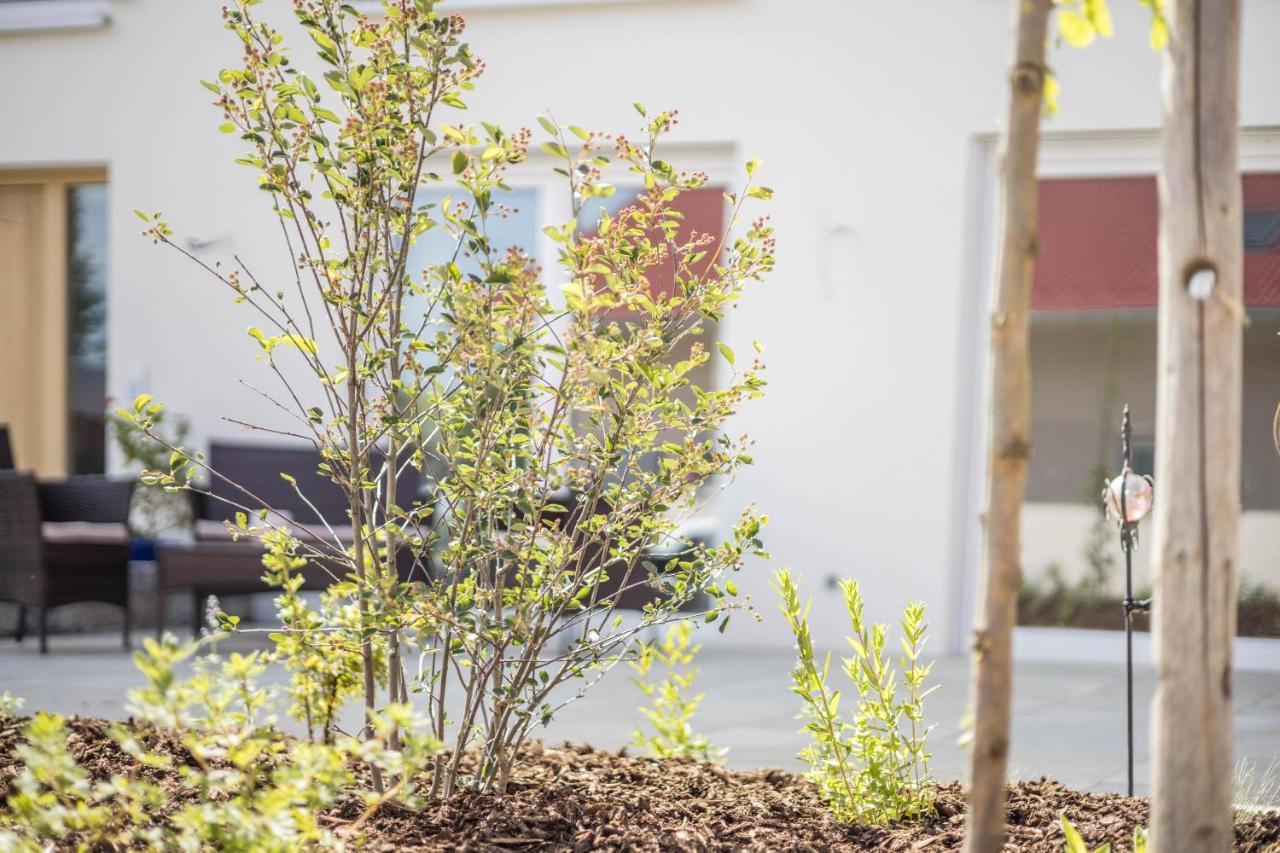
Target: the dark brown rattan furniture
(63, 542)
(631, 590)
(216, 565)
(6, 449)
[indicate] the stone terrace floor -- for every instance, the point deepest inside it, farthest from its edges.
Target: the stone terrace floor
(1069, 716)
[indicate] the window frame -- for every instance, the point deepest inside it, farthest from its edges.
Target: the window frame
(50, 455)
(18, 16)
(1064, 154)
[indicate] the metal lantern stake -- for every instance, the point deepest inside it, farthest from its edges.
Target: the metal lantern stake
(1128, 499)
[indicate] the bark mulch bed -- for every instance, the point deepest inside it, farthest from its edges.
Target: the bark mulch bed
(577, 798)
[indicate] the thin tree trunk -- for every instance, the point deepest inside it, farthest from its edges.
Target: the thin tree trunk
(1198, 427)
(1009, 443)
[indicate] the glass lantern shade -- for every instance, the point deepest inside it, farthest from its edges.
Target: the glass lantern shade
(1139, 493)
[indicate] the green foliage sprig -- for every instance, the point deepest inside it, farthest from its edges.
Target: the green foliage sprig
(240, 784)
(876, 768)
(671, 705)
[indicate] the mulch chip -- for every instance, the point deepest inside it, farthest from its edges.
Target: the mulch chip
(574, 798)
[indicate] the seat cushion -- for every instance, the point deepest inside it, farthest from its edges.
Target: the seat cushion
(311, 532)
(84, 533)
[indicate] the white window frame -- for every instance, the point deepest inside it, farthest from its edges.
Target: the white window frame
(38, 15)
(554, 207)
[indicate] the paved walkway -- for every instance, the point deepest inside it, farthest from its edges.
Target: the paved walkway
(1068, 717)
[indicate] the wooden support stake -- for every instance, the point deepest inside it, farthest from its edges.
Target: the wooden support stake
(1008, 431)
(1198, 428)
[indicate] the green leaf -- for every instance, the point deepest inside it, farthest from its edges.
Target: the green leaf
(1074, 840)
(548, 125)
(762, 193)
(1100, 16)
(639, 108)
(726, 352)
(1075, 28)
(1159, 38)
(459, 162)
(1051, 89)
(227, 127)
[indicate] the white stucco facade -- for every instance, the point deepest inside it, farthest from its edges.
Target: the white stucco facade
(874, 121)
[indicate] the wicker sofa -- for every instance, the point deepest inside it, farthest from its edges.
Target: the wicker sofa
(215, 564)
(628, 589)
(63, 542)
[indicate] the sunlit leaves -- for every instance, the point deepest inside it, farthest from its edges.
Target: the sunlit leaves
(671, 705)
(1052, 88)
(1081, 21)
(873, 766)
(270, 342)
(1159, 34)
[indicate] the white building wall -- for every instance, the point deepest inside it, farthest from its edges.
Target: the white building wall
(866, 115)
(1054, 534)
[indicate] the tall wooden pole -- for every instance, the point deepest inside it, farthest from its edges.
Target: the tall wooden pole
(1197, 430)
(1008, 431)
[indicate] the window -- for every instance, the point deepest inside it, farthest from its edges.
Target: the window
(515, 221)
(17, 15)
(1093, 349)
(53, 303)
(87, 326)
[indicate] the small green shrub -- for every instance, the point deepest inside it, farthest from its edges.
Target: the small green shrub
(232, 781)
(671, 707)
(875, 769)
(502, 384)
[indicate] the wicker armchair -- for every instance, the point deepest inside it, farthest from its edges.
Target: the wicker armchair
(61, 543)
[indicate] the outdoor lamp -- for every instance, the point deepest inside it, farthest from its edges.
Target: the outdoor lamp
(1128, 497)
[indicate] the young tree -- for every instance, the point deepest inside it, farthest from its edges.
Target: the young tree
(1032, 91)
(1009, 427)
(1198, 430)
(562, 425)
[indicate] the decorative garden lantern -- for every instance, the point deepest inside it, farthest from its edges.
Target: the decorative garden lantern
(1128, 498)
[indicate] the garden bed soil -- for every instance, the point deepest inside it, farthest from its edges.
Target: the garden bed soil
(1259, 618)
(575, 798)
